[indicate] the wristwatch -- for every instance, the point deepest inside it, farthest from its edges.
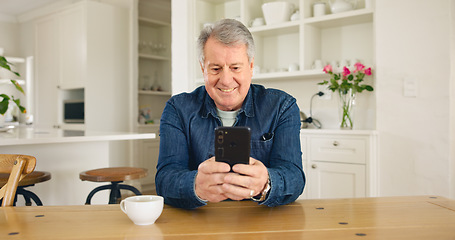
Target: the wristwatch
(262, 196)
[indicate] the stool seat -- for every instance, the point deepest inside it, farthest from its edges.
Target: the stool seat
(29, 180)
(114, 174)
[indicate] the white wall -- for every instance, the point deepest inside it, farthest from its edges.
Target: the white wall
(413, 41)
(9, 38)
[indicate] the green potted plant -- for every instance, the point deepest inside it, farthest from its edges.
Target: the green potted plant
(6, 99)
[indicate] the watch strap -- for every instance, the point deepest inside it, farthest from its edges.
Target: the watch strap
(263, 195)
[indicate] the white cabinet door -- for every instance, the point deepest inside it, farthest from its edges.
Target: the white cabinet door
(46, 65)
(336, 180)
(148, 158)
(72, 47)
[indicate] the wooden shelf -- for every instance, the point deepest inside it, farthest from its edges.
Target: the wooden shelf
(154, 93)
(154, 125)
(8, 81)
(297, 75)
(15, 59)
(153, 57)
(152, 23)
(276, 29)
(341, 19)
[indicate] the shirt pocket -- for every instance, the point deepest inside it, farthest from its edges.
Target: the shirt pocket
(260, 150)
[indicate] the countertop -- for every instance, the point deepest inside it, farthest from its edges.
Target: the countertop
(22, 135)
(338, 131)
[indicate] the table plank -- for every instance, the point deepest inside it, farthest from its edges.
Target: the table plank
(420, 217)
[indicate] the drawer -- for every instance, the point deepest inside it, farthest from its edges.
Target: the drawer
(342, 150)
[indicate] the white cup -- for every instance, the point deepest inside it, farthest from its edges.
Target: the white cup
(293, 67)
(318, 64)
(144, 209)
(319, 9)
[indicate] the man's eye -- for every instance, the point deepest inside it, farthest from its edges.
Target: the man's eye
(214, 70)
(235, 69)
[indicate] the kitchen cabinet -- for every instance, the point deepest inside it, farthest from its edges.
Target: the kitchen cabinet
(82, 53)
(339, 164)
(329, 38)
(154, 64)
(153, 84)
(46, 71)
(148, 158)
(72, 50)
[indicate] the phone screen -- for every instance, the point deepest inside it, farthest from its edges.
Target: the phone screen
(232, 145)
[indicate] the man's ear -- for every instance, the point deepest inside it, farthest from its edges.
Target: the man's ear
(252, 65)
(202, 67)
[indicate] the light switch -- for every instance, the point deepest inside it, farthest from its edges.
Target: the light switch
(410, 87)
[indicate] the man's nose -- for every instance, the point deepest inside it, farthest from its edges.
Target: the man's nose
(226, 76)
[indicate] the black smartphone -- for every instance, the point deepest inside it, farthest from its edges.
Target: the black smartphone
(232, 145)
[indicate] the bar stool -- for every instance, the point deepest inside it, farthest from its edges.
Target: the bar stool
(30, 180)
(115, 175)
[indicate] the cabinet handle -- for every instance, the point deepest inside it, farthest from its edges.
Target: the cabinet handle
(314, 166)
(335, 143)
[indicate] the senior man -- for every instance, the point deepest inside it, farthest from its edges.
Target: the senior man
(187, 174)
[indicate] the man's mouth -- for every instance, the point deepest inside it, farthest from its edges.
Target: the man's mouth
(227, 90)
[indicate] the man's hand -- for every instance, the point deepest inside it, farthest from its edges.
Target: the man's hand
(246, 181)
(210, 179)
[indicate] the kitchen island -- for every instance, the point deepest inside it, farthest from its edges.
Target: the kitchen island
(66, 153)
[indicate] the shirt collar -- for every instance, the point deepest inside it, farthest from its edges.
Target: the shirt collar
(209, 106)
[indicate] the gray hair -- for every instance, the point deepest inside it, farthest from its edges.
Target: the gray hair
(229, 32)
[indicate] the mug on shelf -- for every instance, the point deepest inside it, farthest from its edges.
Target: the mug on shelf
(318, 9)
(318, 64)
(293, 67)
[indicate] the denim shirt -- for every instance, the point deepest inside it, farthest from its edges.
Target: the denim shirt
(187, 139)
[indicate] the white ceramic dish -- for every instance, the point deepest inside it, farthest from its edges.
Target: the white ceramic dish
(277, 12)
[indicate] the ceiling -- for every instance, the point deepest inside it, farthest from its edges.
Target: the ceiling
(17, 7)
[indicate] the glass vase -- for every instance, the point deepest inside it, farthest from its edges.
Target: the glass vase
(347, 107)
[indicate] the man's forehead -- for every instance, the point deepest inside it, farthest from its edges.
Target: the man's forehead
(222, 64)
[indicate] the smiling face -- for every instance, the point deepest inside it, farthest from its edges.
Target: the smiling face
(227, 74)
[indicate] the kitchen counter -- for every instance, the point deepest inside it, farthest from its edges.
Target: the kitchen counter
(337, 131)
(66, 153)
(22, 135)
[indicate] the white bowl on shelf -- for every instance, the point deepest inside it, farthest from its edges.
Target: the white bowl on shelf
(277, 12)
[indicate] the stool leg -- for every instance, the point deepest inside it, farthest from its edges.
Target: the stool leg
(97, 189)
(30, 195)
(131, 188)
(115, 193)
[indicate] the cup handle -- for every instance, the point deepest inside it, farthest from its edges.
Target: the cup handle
(122, 206)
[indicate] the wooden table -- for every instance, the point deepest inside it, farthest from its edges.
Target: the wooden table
(421, 217)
